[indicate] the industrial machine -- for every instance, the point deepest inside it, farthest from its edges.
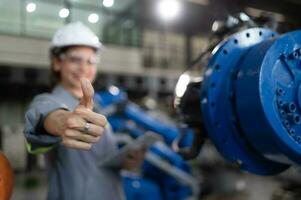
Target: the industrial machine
(247, 100)
(166, 175)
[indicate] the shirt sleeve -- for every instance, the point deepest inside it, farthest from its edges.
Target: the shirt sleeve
(38, 140)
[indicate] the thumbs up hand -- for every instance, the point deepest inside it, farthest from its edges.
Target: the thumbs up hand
(82, 127)
(88, 93)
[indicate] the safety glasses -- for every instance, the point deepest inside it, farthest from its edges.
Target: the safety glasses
(78, 59)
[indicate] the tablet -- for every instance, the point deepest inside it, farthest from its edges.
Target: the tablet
(145, 140)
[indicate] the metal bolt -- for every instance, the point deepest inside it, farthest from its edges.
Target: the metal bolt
(280, 91)
(295, 54)
(291, 132)
(282, 113)
(298, 139)
(280, 103)
(286, 123)
(296, 119)
(290, 107)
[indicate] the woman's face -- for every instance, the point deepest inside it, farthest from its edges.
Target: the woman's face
(76, 63)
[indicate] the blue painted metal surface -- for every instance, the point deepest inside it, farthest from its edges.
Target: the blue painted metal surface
(251, 98)
(141, 188)
(170, 188)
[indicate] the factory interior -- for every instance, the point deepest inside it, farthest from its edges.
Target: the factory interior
(150, 100)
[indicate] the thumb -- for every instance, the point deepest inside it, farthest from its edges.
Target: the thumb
(88, 93)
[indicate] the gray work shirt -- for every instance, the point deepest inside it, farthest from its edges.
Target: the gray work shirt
(72, 174)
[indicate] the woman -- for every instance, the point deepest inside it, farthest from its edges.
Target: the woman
(64, 124)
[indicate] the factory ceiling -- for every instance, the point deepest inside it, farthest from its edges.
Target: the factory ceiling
(198, 15)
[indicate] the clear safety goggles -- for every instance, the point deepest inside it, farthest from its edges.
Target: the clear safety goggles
(78, 59)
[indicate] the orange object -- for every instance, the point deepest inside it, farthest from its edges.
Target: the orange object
(6, 178)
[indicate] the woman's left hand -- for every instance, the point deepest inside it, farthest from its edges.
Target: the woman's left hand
(134, 159)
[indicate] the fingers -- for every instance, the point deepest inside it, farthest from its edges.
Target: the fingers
(137, 155)
(93, 130)
(80, 136)
(130, 165)
(134, 159)
(77, 123)
(76, 144)
(78, 140)
(91, 116)
(88, 93)
(74, 134)
(132, 154)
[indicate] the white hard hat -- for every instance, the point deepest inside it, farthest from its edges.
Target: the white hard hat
(75, 33)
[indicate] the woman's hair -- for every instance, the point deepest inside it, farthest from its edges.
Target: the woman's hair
(56, 53)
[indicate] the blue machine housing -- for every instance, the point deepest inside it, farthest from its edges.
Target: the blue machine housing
(251, 100)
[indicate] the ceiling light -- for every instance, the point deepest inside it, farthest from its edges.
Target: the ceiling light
(169, 9)
(31, 7)
(93, 18)
(108, 3)
(64, 12)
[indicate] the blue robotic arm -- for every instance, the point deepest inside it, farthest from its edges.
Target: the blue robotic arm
(248, 100)
(121, 113)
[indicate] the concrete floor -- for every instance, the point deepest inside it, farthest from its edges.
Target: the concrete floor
(230, 186)
(30, 186)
